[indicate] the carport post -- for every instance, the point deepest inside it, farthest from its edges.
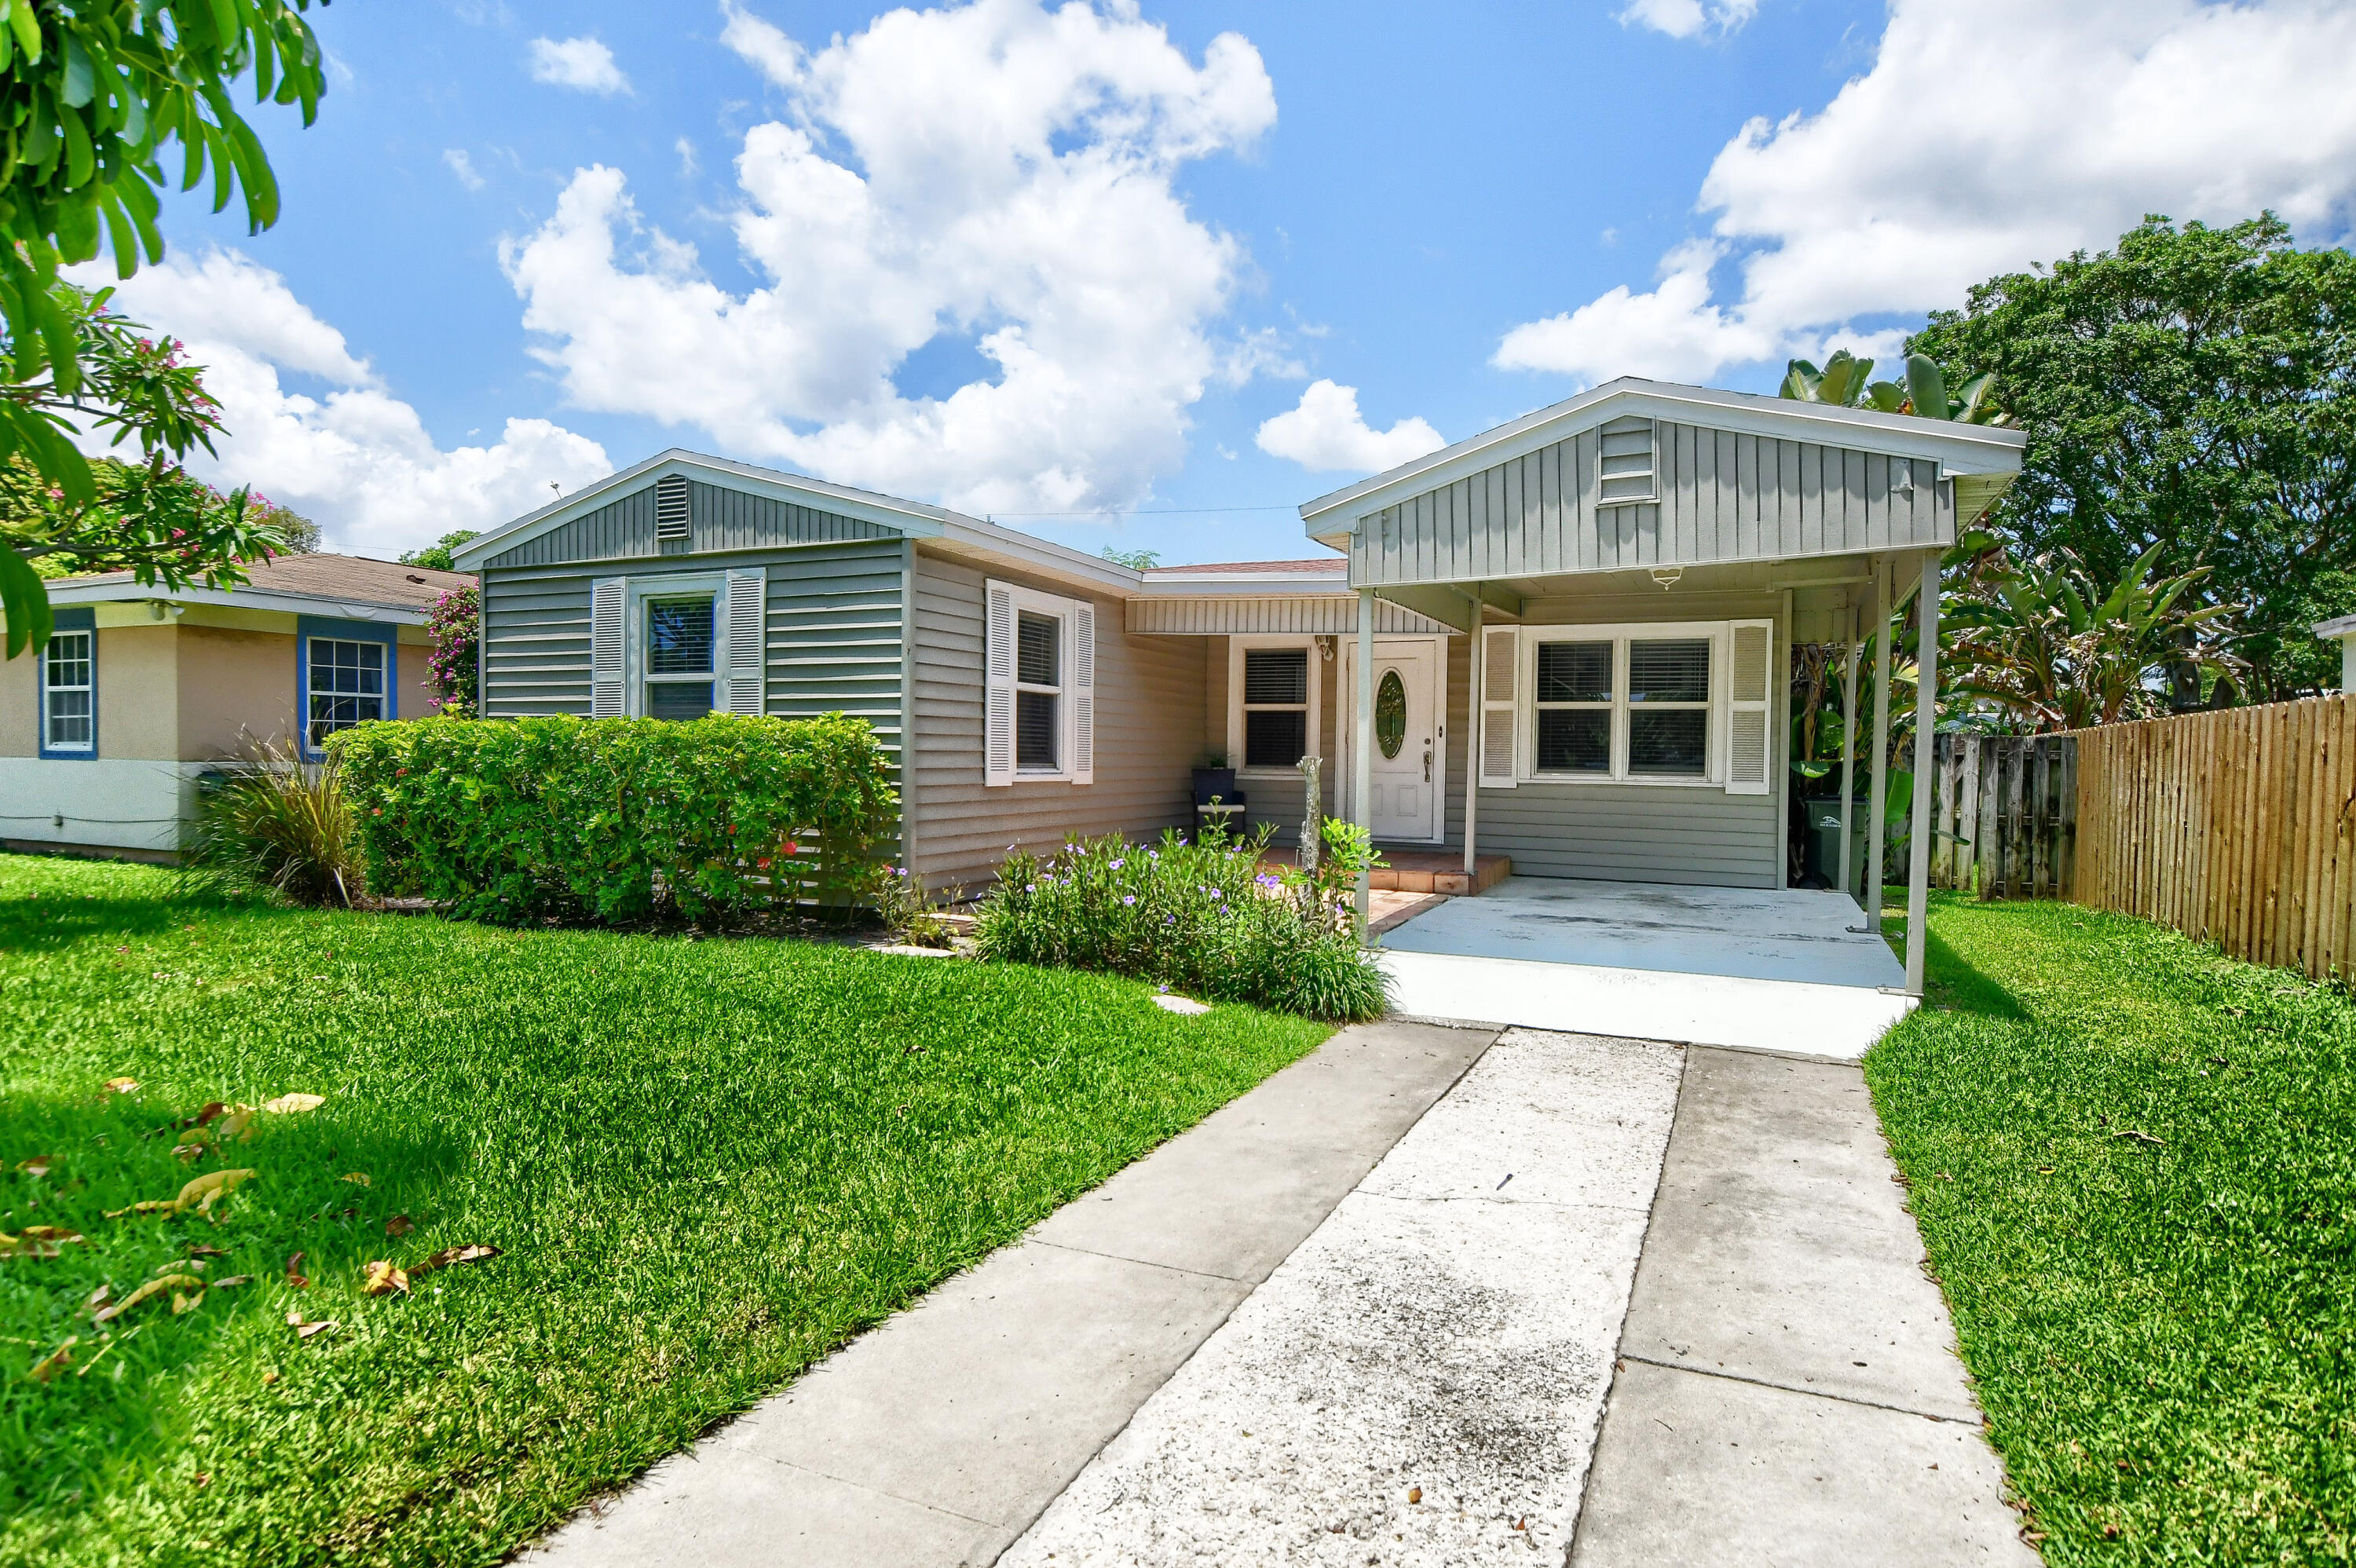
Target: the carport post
(1468, 743)
(1926, 725)
(1362, 748)
(1875, 804)
(1848, 751)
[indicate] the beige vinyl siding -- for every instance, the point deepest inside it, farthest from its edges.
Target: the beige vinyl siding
(1330, 614)
(1149, 730)
(1723, 497)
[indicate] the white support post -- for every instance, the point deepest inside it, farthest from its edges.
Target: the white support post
(1877, 827)
(1470, 744)
(1926, 723)
(1362, 748)
(1848, 755)
(1779, 740)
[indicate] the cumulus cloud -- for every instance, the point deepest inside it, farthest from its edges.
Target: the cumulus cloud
(1688, 18)
(996, 175)
(580, 63)
(1988, 136)
(1326, 433)
(356, 459)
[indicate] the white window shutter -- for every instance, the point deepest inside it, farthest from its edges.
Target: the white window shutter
(1750, 713)
(998, 678)
(1501, 658)
(1082, 690)
(606, 598)
(745, 679)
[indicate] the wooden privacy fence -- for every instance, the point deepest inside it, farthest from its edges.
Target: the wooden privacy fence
(2234, 828)
(2004, 808)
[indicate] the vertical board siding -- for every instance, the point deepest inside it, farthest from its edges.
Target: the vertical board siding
(1724, 495)
(2236, 827)
(2005, 809)
(1150, 730)
(1325, 615)
(719, 519)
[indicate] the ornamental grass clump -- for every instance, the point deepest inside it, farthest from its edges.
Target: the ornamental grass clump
(280, 825)
(1205, 918)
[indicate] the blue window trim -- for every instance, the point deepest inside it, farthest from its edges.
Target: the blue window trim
(309, 626)
(83, 619)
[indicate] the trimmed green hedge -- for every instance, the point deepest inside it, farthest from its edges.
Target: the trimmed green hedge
(618, 819)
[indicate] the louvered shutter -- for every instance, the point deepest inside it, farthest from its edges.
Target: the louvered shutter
(744, 687)
(998, 679)
(672, 519)
(1082, 690)
(1749, 712)
(1501, 657)
(606, 598)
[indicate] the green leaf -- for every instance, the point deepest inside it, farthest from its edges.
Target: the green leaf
(1926, 386)
(25, 600)
(80, 76)
(27, 25)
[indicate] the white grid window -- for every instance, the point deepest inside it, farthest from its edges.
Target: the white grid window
(347, 681)
(68, 689)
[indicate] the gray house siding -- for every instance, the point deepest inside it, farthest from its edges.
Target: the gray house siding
(719, 519)
(1151, 722)
(1722, 497)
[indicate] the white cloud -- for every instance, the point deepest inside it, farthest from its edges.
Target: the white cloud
(687, 161)
(355, 460)
(1688, 18)
(996, 173)
(1325, 433)
(1988, 135)
(582, 63)
(464, 168)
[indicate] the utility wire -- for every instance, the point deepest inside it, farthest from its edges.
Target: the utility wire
(1147, 512)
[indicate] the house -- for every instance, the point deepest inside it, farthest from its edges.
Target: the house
(143, 689)
(1619, 577)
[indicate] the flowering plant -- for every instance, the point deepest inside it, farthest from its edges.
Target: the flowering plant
(456, 624)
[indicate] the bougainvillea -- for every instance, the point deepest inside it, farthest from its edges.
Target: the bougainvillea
(456, 624)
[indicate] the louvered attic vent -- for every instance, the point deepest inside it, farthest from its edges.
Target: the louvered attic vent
(670, 506)
(1627, 462)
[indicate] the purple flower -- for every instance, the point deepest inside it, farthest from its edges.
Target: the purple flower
(1116, 865)
(1217, 894)
(1128, 899)
(1032, 888)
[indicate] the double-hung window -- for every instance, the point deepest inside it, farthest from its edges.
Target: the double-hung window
(1039, 659)
(70, 693)
(1633, 704)
(1573, 698)
(1668, 708)
(1276, 707)
(1038, 692)
(680, 676)
(345, 680)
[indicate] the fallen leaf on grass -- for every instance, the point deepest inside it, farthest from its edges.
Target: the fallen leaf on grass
(472, 1252)
(304, 1330)
(145, 1206)
(187, 1303)
(173, 1282)
(36, 1242)
(232, 1282)
(358, 1179)
(122, 1086)
(97, 1298)
(400, 1225)
(383, 1279)
(37, 1166)
(2139, 1135)
(237, 1126)
(206, 1250)
(187, 1154)
(295, 1280)
(200, 1194)
(293, 1104)
(55, 1361)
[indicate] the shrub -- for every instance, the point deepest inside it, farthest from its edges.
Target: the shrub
(456, 624)
(620, 819)
(278, 823)
(1205, 917)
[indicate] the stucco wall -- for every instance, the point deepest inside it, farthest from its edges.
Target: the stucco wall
(20, 701)
(138, 693)
(233, 683)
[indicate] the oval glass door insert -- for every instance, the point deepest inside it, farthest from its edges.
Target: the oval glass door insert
(1390, 713)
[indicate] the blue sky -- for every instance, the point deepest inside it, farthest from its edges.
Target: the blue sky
(518, 248)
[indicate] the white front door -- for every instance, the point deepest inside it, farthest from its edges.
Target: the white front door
(1407, 759)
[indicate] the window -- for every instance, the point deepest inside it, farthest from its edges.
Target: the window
(1276, 707)
(1637, 703)
(1668, 708)
(680, 676)
(69, 692)
(1573, 698)
(346, 686)
(1038, 692)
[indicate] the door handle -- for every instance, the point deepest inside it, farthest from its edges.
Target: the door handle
(1426, 765)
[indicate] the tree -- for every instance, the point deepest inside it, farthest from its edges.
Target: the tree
(1135, 560)
(437, 554)
(1842, 381)
(2191, 393)
(91, 95)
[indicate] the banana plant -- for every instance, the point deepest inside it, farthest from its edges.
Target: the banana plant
(1842, 381)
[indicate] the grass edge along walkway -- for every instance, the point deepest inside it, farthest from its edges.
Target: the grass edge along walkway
(2133, 1163)
(706, 1164)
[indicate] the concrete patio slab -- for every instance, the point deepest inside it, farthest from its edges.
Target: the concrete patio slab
(1421, 1382)
(939, 1437)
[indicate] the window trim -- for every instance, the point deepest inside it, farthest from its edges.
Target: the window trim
(636, 592)
(1065, 612)
(333, 629)
(1237, 646)
(77, 622)
(1620, 635)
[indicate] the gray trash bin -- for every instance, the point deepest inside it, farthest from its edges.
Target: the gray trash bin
(1823, 849)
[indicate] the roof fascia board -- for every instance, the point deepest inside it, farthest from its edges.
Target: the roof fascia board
(243, 599)
(1957, 448)
(975, 537)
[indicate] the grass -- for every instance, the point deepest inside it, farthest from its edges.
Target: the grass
(706, 1163)
(2134, 1166)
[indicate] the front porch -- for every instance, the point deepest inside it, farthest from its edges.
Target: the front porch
(1791, 970)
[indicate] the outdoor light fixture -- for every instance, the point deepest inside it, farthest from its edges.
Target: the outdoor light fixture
(1666, 576)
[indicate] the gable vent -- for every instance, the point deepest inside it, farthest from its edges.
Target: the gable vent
(1626, 463)
(670, 506)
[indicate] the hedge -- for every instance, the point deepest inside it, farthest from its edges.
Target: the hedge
(618, 820)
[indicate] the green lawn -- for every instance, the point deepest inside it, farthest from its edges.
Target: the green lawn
(705, 1162)
(2163, 1333)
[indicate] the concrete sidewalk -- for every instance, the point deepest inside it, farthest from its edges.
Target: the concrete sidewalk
(1788, 1389)
(937, 1437)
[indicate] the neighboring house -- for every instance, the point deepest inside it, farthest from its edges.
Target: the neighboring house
(2343, 632)
(142, 690)
(1636, 562)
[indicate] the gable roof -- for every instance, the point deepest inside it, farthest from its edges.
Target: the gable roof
(308, 583)
(1957, 448)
